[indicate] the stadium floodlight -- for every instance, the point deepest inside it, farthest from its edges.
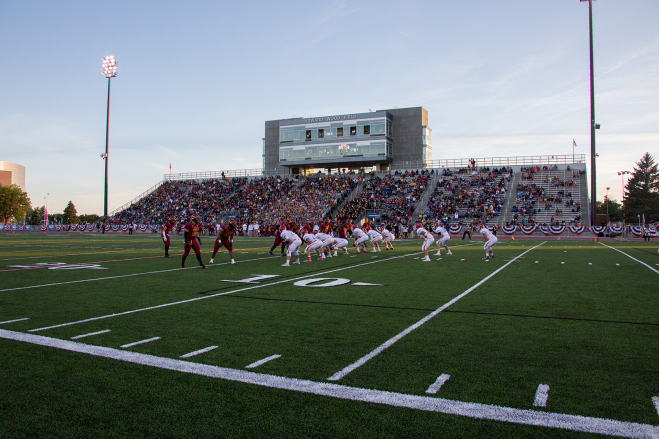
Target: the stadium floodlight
(622, 197)
(593, 125)
(109, 71)
(607, 203)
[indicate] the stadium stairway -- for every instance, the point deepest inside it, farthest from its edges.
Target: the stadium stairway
(422, 207)
(355, 192)
(509, 201)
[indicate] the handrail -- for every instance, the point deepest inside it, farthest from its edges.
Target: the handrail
(139, 197)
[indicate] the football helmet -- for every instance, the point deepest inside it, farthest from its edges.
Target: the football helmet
(354, 226)
(480, 226)
(418, 226)
(195, 218)
(282, 227)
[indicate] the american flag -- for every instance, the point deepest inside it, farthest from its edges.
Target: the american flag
(574, 143)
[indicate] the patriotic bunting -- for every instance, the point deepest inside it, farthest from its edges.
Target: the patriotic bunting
(597, 229)
(577, 230)
(509, 230)
(527, 230)
(454, 229)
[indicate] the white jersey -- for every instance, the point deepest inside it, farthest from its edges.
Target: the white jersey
(386, 233)
(486, 233)
(442, 231)
(288, 234)
(308, 238)
(424, 234)
(359, 233)
(322, 236)
(374, 235)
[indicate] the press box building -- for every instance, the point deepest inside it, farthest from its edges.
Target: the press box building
(384, 139)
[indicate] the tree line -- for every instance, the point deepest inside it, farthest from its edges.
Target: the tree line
(16, 206)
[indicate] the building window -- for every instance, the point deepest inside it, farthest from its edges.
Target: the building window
(367, 130)
(353, 131)
(308, 134)
(339, 132)
(321, 133)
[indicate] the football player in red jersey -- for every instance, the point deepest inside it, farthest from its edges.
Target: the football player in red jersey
(225, 238)
(278, 241)
(192, 240)
(166, 230)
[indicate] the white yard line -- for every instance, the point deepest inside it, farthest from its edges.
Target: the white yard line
(90, 334)
(200, 351)
(541, 396)
(260, 362)
(140, 342)
(434, 387)
(346, 370)
(78, 254)
(212, 295)
(417, 402)
(655, 400)
(12, 321)
(630, 257)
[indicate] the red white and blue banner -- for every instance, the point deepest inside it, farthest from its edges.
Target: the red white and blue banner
(556, 230)
(598, 229)
(616, 230)
(527, 230)
(577, 230)
(454, 229)
(636, 231)
(509, 230)
(143, 227)
(115, 228)
(544, 229)
(123, 228)
(153, 227)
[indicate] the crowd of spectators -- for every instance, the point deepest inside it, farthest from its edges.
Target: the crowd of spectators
(466, 196)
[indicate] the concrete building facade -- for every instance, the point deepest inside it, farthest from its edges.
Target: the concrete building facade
(380, 140)
(12, 173)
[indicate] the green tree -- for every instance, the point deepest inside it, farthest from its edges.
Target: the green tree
(14, 203)
(643, 190)
(35, 216)
(70, 214)
(615, 209)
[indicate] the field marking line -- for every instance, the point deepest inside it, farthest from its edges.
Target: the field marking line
(655, 400)
(140, 342)
(631, 257)
(260, 362)
(210, 296)
(346, 370)
(541, 396)
(122, 276)
(76, 254)
(393, 399)
(434, 387)
(90, 334)
(17, 320)
(200, 351)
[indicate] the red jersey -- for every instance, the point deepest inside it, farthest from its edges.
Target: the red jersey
(225, 233)
(343, 230)
(191, 232)
(167, 228)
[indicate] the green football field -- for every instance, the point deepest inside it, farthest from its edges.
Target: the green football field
(101, 336)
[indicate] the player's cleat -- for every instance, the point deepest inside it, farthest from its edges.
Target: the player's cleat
(168, 256)
(283, 254)
(270, 253)
(438, 254)
(308, 260)
(426, 259)
(486, 257)
(210, 262)
(374, 251)
(182, 266)
(335, 253)
(285, 265)
(449, 252)
(233, 262)
(297, 261)
(203, 266)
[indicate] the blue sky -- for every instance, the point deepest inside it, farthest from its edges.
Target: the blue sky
(196, 81)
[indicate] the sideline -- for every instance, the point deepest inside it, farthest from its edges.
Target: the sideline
(424, 403)
(630, 257)
(346, 370)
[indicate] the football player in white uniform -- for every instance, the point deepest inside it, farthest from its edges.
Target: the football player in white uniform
(326, 240)
(490, 240)
(375, 238)
(294, 242)
(360, 238)
(387, 238)
(443, 238)
(340, 243)
(312, 243)
(428, 239)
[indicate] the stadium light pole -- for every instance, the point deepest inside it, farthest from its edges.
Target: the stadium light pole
(593, 125)
(607, 203)
(109, 71)
(622, 197)
(45, 209)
